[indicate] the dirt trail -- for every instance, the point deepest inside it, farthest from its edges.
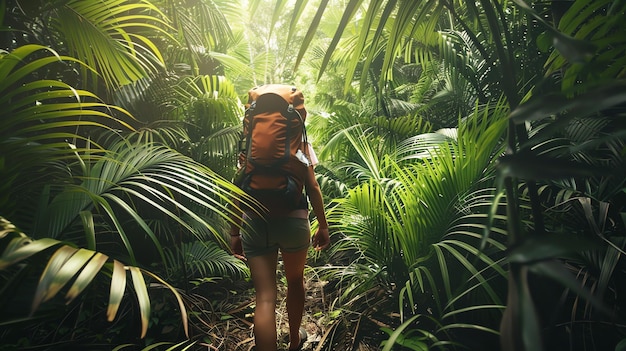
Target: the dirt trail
(234, 332)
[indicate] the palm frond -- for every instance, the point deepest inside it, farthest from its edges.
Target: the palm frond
(76, 266)
(211, 107)
(133, 174)
(203, 31)
(588, 32)
(121, 56)
(204, 259)
(45, 122)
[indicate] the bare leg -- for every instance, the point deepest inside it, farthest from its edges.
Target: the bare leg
(294, 271)
(263, 272)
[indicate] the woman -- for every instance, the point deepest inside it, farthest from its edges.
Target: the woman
(287, 231)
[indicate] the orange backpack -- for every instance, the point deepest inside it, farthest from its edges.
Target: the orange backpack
(273, 146)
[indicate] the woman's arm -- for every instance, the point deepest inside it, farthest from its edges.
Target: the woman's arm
(235, 235)
(321, 238)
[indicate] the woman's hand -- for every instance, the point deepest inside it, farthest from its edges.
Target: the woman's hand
(321, 239)
(236, 247)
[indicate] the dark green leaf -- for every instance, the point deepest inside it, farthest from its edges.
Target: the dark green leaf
(548, 246)
(556, 271)
(598, 99)
(574, 50)
(539, 167)
(529, 319)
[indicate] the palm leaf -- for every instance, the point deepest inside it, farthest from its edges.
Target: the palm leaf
(120, 57)
(45, 100)
(204, 259)
(118, 287)
(82, 265)
(142, 295)
(310, 34)
(204, 30)
(45, 121)
(156, 176)
(350, 10)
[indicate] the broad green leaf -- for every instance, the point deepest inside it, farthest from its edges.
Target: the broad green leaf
(548, 246)
(527, 166)
(585, 104)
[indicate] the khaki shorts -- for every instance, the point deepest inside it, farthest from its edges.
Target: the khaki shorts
(264, 236)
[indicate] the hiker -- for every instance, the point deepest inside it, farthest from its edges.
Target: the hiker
(283, 228)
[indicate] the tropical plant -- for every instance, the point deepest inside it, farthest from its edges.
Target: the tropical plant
(92, 206)
(85, 189)
(487, 50)
(396, 225)
(124, 53)
(66, 264)
(121, 118)
(203, 35)
(553, 152)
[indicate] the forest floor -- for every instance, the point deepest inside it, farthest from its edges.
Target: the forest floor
(233, 331)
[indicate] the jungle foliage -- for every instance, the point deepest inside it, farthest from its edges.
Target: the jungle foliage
(472, 158)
